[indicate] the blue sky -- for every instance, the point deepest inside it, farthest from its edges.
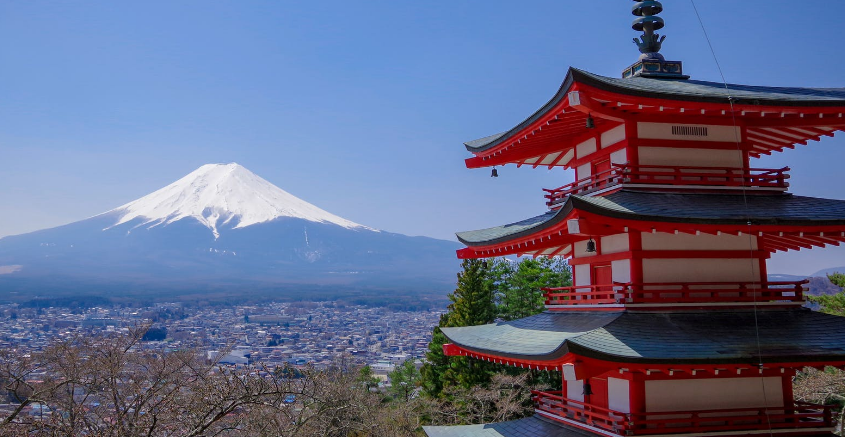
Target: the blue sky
(357, 107)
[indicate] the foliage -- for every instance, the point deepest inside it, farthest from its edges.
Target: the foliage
(110, 386)
(505, 397)
(828, 386)
(155, 334)
(366, 378)
(518, 285)
(404, 380)
(832, 303)
(472, 304)
(822, 387)
(511, 291)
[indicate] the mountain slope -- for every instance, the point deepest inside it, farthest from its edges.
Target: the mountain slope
(222, 224)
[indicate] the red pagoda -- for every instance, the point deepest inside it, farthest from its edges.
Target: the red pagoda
(672, 327)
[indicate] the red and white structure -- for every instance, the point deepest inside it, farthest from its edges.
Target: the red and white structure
(671, 326)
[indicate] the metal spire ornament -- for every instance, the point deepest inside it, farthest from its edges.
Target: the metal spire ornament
(651, 62)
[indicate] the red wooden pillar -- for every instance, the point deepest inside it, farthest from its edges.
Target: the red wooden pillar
(635, 244)
(788, 395)
(636, 393)
(631, 136)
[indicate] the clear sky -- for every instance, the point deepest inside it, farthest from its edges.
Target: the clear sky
(358, 107)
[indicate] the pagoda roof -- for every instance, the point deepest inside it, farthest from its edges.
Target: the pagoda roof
(696, 337)
(679, 208)
(714, 92)
(535, 426)
(560, 124)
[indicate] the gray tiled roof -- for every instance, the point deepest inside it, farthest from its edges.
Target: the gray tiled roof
(675, 89)
(727, 209)
(673, 337)
(703, 91)
(530, 427)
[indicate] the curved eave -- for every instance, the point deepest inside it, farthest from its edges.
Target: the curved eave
(487, 143)
(515, 231)
(555, 128)
(704, 337)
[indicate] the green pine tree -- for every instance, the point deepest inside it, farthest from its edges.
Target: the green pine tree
(472, 304)
(832, 303)
(519, 285)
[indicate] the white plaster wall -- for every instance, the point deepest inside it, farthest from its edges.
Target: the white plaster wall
(566, 157)
(713, 393)
(612, 136)
(618, 395)
(690, 157)
(619, 157)
(583, 171)
(582, 274)
(621, 270)
(614, 243)
(663, 131)
(666, 241)
(575, 390)
(585, 148)
(701, 270)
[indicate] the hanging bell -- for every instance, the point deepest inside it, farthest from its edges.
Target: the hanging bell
(495, 173)
(591, 246)
(591, 124)
(588, 389)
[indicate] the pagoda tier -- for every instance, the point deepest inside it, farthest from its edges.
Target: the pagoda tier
(771, 222)
(664, 373)
(642, 112)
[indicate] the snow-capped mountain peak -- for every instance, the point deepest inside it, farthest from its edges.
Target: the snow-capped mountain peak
(223, 194)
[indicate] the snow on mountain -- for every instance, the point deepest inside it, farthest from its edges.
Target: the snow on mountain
(223, 194)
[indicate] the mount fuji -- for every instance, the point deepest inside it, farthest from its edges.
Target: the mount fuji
(221, 227)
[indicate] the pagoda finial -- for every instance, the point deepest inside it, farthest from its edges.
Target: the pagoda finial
(647, 22)
(651, 62)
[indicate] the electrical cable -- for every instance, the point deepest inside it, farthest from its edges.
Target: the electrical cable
(751, 258)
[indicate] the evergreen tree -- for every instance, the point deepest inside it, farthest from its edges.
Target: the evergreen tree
(404, 380)
(518, 285)
(832, 303)
(472, 304)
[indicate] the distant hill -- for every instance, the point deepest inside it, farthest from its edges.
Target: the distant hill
(826, 272)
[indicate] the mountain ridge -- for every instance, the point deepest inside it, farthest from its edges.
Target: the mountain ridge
(224, 224)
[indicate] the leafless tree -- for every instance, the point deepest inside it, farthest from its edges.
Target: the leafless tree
(822, 387)
(506, 397)
(111, 386)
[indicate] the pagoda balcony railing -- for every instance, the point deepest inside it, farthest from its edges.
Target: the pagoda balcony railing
(672, 175)
(606, 419)
(676, 292)
(798, 415)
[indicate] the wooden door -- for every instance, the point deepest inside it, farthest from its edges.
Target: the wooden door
(602, 275)
(599, 396)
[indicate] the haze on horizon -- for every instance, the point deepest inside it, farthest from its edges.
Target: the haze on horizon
(360, 109)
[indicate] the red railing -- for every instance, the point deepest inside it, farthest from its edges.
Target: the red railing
(796, 416)
(555, 403)
(587, 294)
(594, 182)
(677, 292)
(672, 175)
